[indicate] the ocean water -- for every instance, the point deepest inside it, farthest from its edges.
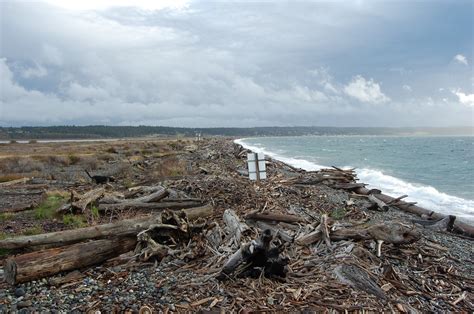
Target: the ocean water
(436, 172)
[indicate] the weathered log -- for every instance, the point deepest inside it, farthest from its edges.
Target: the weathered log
(141, 189)
(325, 231)
(276, 232)
(459, 226)
(36, 265)
(358, 278)
(380, 204)
(253, 256)
(87, 198)
(311, 237)
(149, 206)
(13, 182)
(349, 186)
(21, 192)
(235, 227)
(396, 200)
(199, 212)
(445, 224)
(118, 229)
(156, 196)
(69, 277)
(275, 217)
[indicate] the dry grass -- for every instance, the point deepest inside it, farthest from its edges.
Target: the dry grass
(90, 163)
(20, 165)
(171, 167)
(53, 160)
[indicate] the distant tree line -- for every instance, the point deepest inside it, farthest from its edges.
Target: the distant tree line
(102, 131)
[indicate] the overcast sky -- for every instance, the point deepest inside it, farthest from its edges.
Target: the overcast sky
(239, 63)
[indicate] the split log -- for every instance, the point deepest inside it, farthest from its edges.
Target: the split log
(119, 229)
(150, 206)
(36, 265)
(459, 226)
(380, 204)
(275, 217)
(87, 198)
(235, 227)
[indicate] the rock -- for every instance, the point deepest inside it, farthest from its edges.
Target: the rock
(19, 292)
(23, 304)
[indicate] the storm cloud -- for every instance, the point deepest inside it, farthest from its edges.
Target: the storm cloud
(243, 63)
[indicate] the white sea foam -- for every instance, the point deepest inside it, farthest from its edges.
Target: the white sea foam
(426, 196)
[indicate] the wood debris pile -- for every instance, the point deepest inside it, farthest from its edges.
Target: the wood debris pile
(299, 240)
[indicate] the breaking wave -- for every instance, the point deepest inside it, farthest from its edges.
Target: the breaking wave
(425, 195)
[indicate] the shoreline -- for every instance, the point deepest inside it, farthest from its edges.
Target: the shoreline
(462, 214)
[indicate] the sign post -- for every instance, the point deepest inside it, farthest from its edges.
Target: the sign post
(256, 166)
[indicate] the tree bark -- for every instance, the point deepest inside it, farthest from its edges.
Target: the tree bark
(36, 265)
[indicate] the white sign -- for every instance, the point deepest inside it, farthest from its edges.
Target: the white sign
(256, 166)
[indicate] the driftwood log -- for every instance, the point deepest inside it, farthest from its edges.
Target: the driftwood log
(251, 257)
(459, 226)
(236, 228)
(275, 217)
(117, 229)
(150, 206)
(89, 197)
(380, 204)
(40, 264)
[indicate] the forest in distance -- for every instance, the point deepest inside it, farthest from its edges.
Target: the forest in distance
(102, 131)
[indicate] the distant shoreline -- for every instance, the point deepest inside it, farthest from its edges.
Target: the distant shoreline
(114, 132)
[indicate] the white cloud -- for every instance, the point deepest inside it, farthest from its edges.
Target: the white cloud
(104, 4)
(240, 64)
(324, 79)
(465, 99)
(459, 58)
(407, 88)
(365, 90)
(51, 55)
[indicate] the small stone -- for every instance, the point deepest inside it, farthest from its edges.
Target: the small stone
(23, 304)
(19, 292)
